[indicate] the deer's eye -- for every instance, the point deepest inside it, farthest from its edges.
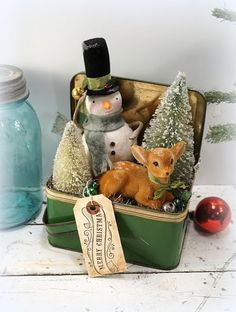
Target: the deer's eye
(156, 163)
(171, 161)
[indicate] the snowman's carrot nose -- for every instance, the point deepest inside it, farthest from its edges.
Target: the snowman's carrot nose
(106, 105)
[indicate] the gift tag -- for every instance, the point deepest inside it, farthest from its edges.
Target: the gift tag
(99, 236)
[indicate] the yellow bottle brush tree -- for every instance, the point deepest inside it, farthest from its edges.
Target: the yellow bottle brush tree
(71, 169)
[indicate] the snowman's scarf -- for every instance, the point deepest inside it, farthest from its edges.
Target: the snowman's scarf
(95, 128)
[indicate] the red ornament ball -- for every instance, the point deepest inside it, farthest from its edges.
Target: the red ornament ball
(212, 214)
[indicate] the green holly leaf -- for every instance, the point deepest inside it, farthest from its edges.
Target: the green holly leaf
(159, 193)
(185, 196)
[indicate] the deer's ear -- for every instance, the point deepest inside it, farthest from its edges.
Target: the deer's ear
(178, 149)
(140, 154)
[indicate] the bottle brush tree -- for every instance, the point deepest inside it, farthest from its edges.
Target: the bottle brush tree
(71, 169)
(172, 122)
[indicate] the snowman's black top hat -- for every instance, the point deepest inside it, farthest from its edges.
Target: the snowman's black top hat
(97, 67)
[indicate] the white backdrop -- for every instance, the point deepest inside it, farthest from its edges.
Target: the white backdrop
(148, 40)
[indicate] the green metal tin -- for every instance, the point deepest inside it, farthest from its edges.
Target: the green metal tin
(155, 243)
(151, 242)
(149, 237)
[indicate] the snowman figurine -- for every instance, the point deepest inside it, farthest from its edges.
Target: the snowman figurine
(107, 137)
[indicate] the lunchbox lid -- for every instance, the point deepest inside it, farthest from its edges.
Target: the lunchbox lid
(140, 100)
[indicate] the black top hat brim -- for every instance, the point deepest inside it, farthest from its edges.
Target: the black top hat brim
(110, 88)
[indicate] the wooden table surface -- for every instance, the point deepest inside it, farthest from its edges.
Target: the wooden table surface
(35, 276)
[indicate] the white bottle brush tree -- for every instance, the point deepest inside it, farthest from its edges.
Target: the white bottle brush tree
(71, 169)
(172, 122)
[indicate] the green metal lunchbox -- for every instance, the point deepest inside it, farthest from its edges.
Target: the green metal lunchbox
(149, 237)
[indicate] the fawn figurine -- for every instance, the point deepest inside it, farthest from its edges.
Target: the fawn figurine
(141, 182)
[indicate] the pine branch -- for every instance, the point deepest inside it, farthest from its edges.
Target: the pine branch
(221, 133)
(224, 14)
(219, 96)
(59, 123)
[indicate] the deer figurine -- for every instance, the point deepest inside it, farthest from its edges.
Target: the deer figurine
(142, 181)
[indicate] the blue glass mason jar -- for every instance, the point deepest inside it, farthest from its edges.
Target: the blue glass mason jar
(20, 151)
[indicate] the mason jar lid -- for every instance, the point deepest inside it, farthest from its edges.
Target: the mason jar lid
(12, 84)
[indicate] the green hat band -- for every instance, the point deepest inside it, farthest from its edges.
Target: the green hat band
(98, 83)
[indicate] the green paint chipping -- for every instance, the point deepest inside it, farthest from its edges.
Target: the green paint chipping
(224, 14)
(221, 133)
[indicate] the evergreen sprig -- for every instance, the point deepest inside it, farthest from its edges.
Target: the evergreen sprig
(224, 14)
(59, 123)
(221, 133)
(219, 97)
